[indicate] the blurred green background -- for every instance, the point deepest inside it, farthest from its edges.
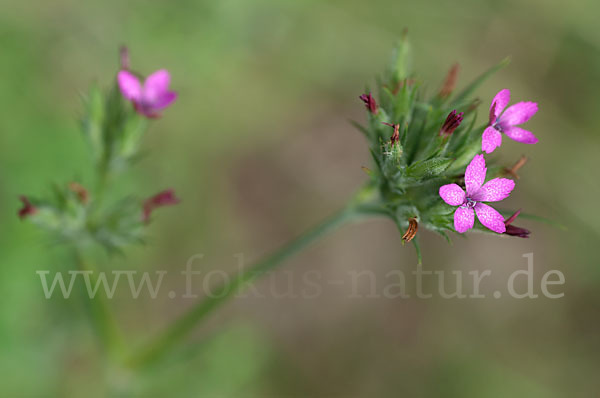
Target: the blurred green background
(259, 147)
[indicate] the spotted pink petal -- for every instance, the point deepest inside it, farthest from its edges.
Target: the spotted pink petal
(129, 85)
(520, 135)
(464, 218)
(475, 174)
(490, 140)
(501, 100)
(489, 217)
(495, 190)
(156, 86)
(452, 194)
(518, 113)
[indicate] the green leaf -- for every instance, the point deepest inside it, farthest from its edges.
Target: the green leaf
(360, 127)
(529, 216)
(133, 130)
(467, 91)
(402, 60)
(465, 158)
(428, 168)
(93, 121)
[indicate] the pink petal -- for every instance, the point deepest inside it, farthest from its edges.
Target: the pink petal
(130, 85)
(452, 194)
(166, 100)
(520, 135)
(475, 174)
(156, 85)
(518, 113)
(490, 140)
(495, 190)
(464, 219)
(489, 217)
(501, 100)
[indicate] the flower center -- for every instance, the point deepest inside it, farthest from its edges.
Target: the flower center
(498, 126)
(469, 203)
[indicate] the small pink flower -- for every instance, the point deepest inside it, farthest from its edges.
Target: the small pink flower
(507, 122)
(164, 198)
(28, 209)
(477, 192)
(150, 97)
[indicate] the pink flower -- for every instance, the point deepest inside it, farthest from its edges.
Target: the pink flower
(164, 198)
(507, 122)
(477, 192)
(148, 98)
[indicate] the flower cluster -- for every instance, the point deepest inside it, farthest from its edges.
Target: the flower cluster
(114, 130)
(470, 202)
(430, 171)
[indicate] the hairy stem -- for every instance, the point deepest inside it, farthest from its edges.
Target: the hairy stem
(182, 326)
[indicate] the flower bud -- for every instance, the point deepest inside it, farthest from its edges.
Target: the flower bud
(28, 209)
(164, 198)
(369, 102)
(452, 122)
(513, 230)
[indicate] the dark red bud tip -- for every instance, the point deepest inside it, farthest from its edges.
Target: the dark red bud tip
(369, 102)
(124, 57)
(517, 231)
(513, 230)
(452, 122)
(164, 198)
(28, 209)
(450, 82)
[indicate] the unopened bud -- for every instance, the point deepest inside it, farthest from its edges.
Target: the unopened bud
(28, 209)
(369, 102)
(452, 122)
(164, 198)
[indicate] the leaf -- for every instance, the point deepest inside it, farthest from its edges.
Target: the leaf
(529, 216)
(402, 59)
(467, 91)
(360, 127)
(428, 168)
(465, 158)
(93, 120)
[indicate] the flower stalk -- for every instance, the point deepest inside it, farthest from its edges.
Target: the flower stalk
(178, 330)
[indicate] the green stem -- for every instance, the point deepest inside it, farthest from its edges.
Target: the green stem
(181, 327)
(105, 323)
